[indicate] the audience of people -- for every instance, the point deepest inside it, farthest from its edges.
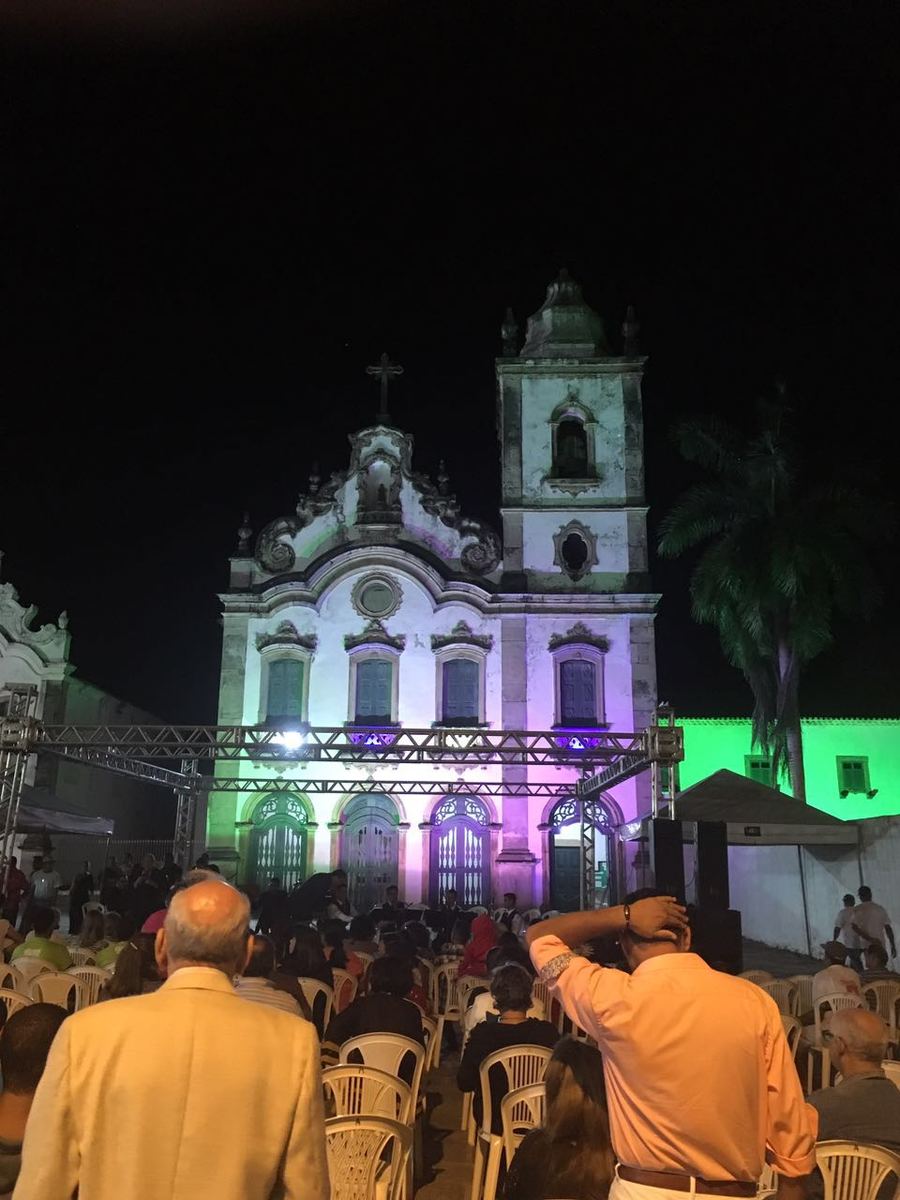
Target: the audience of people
(865, 1105)
(25, 1042)
(40, 943)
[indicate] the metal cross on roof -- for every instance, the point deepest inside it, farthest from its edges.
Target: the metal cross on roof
(385, 371)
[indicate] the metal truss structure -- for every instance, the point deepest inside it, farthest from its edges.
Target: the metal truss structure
(148, 752)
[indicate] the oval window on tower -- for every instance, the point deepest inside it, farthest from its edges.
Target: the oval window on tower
(376, 596)
(574, 553)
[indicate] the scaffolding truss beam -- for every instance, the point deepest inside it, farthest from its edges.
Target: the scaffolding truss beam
(394, 787)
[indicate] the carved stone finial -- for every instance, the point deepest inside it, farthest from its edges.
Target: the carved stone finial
(509, 332)
(630, 330)
(245, 533)
(443, 479)
(63, 620)
(314, 479)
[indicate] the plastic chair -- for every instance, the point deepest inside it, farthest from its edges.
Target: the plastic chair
(30, 968)
(345, 986)
(854, 1170)
(804, 985)
(93, 978)
(83, 957)
(466, 987)
(833, 1002)
(429, 1030)
(521, 1110)
(444, 1000)
(386, 1052)
(11, 979)
(757, 976)
(892, 1070)
(64, 990)
(320, 998)
(522, 1065)
(367, 1156)
(361, 1091)
(784, 993)
(92, 906)
(365, 959)
(882, 996)
(792, 1031)
(767, 1184)
(13, 1001)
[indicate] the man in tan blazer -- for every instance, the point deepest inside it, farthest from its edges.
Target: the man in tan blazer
(186, 1093)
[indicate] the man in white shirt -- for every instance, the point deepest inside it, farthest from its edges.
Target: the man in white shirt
(845, 933)
(509, 915)
(835, 977)
(871, 921)
(45, 884)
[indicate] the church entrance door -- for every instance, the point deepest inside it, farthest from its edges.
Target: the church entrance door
(461, 851)
(278, 841)
(370, 849)
(565, 855)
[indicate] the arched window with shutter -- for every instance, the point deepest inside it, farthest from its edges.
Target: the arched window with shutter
(284, 690)
(577, 692)
(460, 851)
(374, 691)
(460, 692)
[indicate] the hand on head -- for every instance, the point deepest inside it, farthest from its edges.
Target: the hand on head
(660, 918)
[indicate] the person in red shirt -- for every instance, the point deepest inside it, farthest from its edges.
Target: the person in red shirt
(16, 887)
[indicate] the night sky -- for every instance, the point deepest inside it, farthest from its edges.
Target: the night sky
(212, 222)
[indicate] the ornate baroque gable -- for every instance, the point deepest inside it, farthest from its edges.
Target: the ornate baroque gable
(286, 635)
(461, 635)
(51, 642)
(578, 635)
(374, 634)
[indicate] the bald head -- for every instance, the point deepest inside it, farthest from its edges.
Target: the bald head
(863, 1035)
(206, 925)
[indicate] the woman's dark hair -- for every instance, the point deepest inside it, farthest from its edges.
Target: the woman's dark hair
(391, 974)
(333, 933)
(112, 925)
(361, 929)
(459, 933)
(418, 935)
(307, 957)
(135, 966)
(511, 988)
(577, 1123)
(509, 950)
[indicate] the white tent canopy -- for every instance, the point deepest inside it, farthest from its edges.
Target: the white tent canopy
(40, 811)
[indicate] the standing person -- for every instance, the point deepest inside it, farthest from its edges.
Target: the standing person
(845, 933)
(676, 1128)
(274, 907)
(24, 1045)
(871, 921)
(312, 897)
(109, 883)
(170, 870)
(81, 891)
(149, 1096)
(16, 887)
(509, 915)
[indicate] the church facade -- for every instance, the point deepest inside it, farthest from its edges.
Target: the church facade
(378, 604)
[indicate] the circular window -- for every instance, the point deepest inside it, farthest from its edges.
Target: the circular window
(376, 597)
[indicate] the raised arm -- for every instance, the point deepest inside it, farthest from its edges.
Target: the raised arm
(655, 917)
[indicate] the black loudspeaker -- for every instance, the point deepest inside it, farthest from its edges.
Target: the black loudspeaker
(667, 856)
(716, 937)
(712, 864)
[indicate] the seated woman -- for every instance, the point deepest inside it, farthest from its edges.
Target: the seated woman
(117, 929)
(360, 936)
(572, 1154)
(333, 946)
(482, 1002)
(306, 957)
(397, 945)
(483, 939)
(511, 991)
(384, 1010)
(136, 972)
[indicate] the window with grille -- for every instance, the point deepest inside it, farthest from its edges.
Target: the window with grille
(284, 695)
(758, 767)
(853, 775)
(460, 680)
(374, 691)
(577, 692)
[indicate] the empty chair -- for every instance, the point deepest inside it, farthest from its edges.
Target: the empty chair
(360, 1091)
(784, 993)
(320, 998)
(882, 996)
(345, 986)
(757, 976)
(389, 1052)
(892, 1070)
(767, 1184)
(29, 968)
(82, 956)
(93, 978)
(792, 1031)
(62, 989)
(855, 1171)
(11, 979)
(520, 1110)
(804, 984)
(429, 1031)
(367, 1157)
(13, 1001)
(444, 1000)
(521, 1065)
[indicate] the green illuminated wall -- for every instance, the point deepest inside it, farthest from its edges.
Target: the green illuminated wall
(711, 743)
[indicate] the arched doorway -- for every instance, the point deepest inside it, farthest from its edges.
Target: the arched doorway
(460, 851)
(369, 849)
(278, 840)
(565, 854)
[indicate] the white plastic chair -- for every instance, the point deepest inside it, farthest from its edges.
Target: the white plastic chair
(13, 1001)
(320, 998)
(784, 993)
(365, 959)
(61, 989)
(832, 1002)
(83, 957)
(767, 1184)
(521, 1110)
(757, 976)
(444, 999)
(429, 1030)
(854, 1170)
(93, 979)
(367, 1157)
(386, 1052)
(11, 979)
(360, 1091)
(792, 1031)
(92, 906)
(804, 984)
(466, 987)
(30, 968)
(345, 986)
(882, 996)
(892, 1070)
(522, 1065)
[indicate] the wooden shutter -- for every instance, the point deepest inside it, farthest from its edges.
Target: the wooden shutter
(578, 692)
(285, 690)
(374, 685)
(853, 774)
(460, 690)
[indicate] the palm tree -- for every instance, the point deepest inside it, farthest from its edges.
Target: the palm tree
(781, 554)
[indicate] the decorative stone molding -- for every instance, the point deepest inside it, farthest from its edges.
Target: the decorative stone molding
(374, 634)
(579, 635)
(587, 536)
(272, 553)
(286, 635)
(50, 641)
(461, 635)
(358, 600)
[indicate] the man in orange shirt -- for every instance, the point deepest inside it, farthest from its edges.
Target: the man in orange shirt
(701, 1086)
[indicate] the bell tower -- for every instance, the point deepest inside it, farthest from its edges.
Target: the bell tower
(571, 445)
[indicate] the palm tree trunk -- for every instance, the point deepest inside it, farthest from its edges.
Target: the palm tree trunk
(789, 716)
(794, 739)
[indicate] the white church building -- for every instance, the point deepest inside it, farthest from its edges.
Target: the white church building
(379, 605)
